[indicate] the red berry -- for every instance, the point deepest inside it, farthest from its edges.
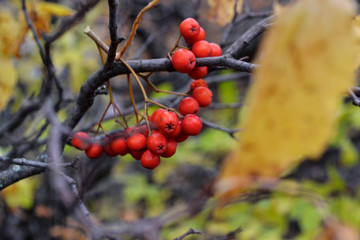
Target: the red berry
(198, 83)
(191, 125)
(170, 149)
(154, 118)
(203, 95)
(189, 28)
(183, 60)
(94, 151)
(137, 154)
(128, 131)
(118, 146)
(201, 49)
(81, 140)
(157, 143)
(107, 147)
(168, 122)
(199, 37)
(198, 72)
(136, 142)
(215, 50)
(188, 106)
(181, 137)
(150, 160)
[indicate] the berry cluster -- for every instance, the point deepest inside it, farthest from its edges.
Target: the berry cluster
(164, 129)
(184, 60)
(167, 129)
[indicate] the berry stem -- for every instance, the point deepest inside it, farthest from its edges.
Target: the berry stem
(175, 46)
(134, 28)
(132, 97)
(147, 80)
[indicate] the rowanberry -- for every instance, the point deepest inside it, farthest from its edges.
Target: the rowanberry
(154, 118)
(118, 146)
(201, 49)
(189, 28)
(191, 125)
(198, 83)
(94, 151)
(128, 131)
(168, 122)
(107, 148)
(188, 106)
(157, 143)
(215, 50)
(136, 142)
(198, 72)
(81, 140)
(203, 96)
(170, 149)
(137, 154)
(199, 37)
(183, 60)
(150, 160)
(181, 137)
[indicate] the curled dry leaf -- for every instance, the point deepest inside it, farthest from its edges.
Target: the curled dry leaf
(307, 63)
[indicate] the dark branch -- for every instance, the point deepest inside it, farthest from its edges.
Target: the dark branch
(68, 23)
(189, 232)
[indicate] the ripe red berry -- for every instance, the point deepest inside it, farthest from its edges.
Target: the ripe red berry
(81, 140)
(198, 72)
(107, 148)
(168, 122)
(128, 131)
(188, 106)
(215, 50)
(189, 28)
(170, 149)
(183, 60)
(150, 160)
(198, 83)
(136, 142)
(94, 151)
(199, 37)
(201, 49)
(154, 118)
(137, 154)
(157, 143)
(203, 95)
(181, 137)
(191, 125)
(118, 146)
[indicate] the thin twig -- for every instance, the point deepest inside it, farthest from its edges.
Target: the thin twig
(189, 232)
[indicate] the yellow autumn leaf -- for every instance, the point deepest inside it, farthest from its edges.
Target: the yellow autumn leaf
(9, 31)
(222, 11)
(8, 79)
(306, 64)
(53, 9)
(20, 194)
(357, 34)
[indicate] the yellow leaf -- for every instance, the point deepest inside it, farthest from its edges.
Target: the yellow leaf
(8, 79)
(53, 9)
(222, 11)
(307, 63)
(357, 34)
(20, 194)
(9, 31)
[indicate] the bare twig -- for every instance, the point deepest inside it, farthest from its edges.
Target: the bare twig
(189, 232)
